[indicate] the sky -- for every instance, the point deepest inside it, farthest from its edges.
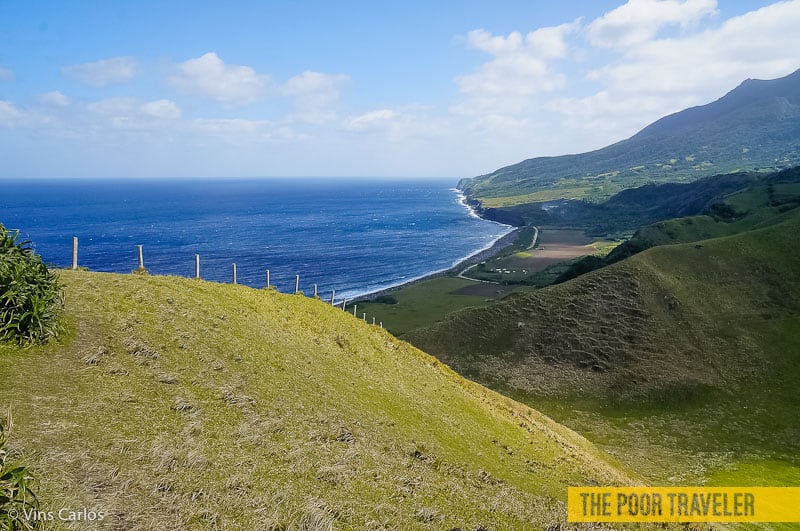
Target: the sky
(102, 89)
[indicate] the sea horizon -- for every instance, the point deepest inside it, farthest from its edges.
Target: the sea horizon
(355, 235)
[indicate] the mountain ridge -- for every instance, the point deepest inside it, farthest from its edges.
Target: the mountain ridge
(755, 126)
(748, 92)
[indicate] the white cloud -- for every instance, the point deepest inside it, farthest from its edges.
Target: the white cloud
(409, 122)
(161, 109)
(371, 121)
(32, 118)
(312, 94)
(576, 87)
(241, 132)
(112, 106)
(613, 116)
(119, 113)
(6, 74)
(233, 126)
(520, 70)
(54, 98)
(661, 76)
(325, 86)
(133, 114)
(719, 57)
(8, 113)
(640, 20)
(103, 72)
(533, 92)
(550, 42)
(209, 76)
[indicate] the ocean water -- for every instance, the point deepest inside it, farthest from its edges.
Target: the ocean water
(354, 236)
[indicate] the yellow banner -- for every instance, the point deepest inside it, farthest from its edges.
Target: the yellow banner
(684, 504)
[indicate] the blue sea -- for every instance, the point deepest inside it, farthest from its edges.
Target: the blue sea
(352, 235)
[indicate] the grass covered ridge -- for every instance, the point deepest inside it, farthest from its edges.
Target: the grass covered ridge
(683, 359)
(177, 403)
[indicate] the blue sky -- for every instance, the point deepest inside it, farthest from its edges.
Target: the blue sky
(203, 89)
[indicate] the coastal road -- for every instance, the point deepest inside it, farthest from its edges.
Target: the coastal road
(530, 247)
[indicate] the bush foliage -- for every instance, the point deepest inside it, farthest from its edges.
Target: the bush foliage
(31, 298)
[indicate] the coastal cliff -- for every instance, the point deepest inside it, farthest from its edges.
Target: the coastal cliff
(492, 214)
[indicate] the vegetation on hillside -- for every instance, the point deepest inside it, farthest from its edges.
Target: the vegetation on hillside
(630, 209)
(749, 207)
(30, 295)
(178, 403)
(682, 359)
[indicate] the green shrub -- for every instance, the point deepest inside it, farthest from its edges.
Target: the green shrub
(31, 298)
(16, 496)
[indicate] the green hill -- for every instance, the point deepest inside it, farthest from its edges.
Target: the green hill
(178, 403)
(755, 126)
(749, 207)
(683, 359)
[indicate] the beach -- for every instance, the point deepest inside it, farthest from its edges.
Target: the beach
(496, 248)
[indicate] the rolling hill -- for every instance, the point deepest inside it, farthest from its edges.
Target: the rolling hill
(683, 359)
(756, 126)
(178, 403)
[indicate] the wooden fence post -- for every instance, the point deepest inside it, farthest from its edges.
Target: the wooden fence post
(381, 324)
(315, 291)
(234, 273)
(365, 317)
(333, 295)
(373, 321)
(74, 252)
(344, 303)
(197, 266)
(267, 278)
(296, 283)
(355, 309)
(141, 257)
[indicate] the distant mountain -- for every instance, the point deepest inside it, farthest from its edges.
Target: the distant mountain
(756, 126)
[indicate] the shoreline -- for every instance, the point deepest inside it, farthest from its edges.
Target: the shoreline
(497, 246)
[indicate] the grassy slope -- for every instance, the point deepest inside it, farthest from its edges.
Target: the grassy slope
(683, 360)
(754, 207)
(182, 403)
(754, 201)
(420, 304)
